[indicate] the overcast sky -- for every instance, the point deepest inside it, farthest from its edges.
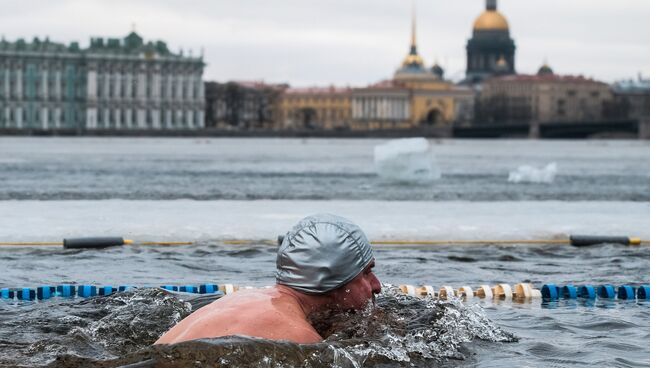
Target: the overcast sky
(350, 42)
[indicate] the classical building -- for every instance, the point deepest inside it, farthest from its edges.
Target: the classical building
(242, 105)
(385, 105)
(112, 84)
(416, 96)
(632, 99)
(491, 50)
(544, 97)
(322, 108)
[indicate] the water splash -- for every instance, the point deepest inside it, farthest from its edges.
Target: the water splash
(119, 330)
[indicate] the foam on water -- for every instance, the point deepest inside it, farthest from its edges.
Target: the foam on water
(266, 219)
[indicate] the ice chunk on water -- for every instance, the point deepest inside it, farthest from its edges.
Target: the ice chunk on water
(407, 160)
(530, 174)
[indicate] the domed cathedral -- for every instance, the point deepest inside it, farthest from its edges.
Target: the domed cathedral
(490, 51)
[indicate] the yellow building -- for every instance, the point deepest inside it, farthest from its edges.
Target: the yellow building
(416, 97)
(325, 108)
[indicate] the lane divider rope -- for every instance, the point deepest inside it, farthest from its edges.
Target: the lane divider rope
(504, 292)
(574, 240)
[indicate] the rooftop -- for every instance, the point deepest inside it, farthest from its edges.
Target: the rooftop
(632, 85)
(536, 78)
(132, 44)
(318, 90)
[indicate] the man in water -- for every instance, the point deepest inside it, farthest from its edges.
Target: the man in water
(323, 265)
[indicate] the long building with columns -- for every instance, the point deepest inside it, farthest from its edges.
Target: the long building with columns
(113, 84)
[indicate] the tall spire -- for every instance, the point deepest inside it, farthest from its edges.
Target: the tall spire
(414, 41)
(413, 59)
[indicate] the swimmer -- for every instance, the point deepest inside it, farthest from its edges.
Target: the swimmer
(323, 265)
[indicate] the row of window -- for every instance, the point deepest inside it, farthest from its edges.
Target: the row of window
(53, 92)
(325, 114)
(110, 117)
(320, 100)
(35, 117)
(124, 87)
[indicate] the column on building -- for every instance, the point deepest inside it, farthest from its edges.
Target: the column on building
(91, 96)
(18, 95)
(117, 118)
(189, 118)
(128, 117)
(141, 116)
(155, 97)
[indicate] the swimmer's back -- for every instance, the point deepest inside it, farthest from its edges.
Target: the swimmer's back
(268, 314)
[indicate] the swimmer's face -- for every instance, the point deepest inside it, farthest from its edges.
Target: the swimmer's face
(357, 293)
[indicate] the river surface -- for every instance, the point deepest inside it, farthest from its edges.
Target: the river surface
(209, 191)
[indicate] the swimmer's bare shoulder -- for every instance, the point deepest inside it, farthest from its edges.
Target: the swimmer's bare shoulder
(257, 313)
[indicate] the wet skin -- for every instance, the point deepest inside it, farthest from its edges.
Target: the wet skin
(278, 313)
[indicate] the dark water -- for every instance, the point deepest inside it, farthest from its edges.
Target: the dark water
(119, 329)
(401, 331)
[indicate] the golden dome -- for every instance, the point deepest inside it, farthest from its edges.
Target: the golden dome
(412, 60)
(491, 20)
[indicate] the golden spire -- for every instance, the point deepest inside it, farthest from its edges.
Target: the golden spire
(413, 59)
(413, 27)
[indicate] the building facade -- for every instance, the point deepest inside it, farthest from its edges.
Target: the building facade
(242, 105)
(491, 50)
(415, 97)
(112, 84)
(315, 108)
(385, 105)
(632, 99)
(544, 97)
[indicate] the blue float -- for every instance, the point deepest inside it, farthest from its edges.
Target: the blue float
(26, 294)
(606, 292)
(188, 289)
(6, 293)
(626, 292)
(643, 293)
(587, 292)
(107, 290)
(550, 292)
(86, 291)
(169, 287)
(569, 292)
(45, 292)
(123, 288)
(208, 288)
(66, 291)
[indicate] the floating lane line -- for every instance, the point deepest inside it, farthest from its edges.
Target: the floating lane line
(574, 240)
(518, 293)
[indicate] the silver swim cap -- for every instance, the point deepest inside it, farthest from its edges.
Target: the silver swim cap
(321, 253)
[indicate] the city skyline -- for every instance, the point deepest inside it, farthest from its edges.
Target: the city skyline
(305, 42)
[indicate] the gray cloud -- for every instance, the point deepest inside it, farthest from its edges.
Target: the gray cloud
(350, 41)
